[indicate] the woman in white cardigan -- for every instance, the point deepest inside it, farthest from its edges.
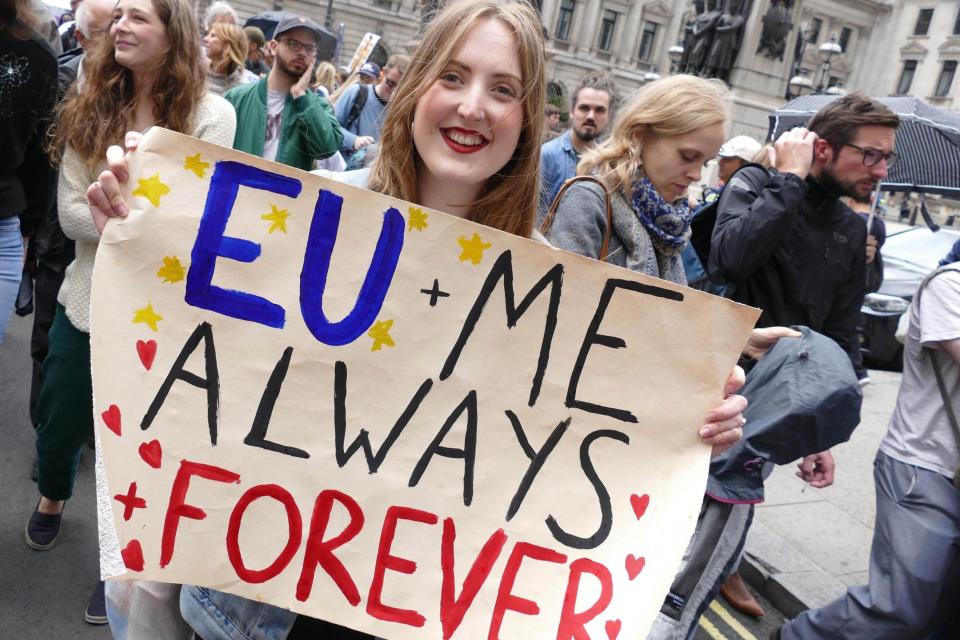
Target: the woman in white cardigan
(149, 71)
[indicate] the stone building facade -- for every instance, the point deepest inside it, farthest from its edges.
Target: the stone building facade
(889, 46)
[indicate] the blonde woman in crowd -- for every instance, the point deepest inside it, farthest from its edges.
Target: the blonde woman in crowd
(226, 53)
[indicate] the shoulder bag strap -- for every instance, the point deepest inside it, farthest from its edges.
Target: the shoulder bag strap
(552, 212)
(944, 395)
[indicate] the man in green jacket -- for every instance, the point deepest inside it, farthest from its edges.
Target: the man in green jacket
(279, 118)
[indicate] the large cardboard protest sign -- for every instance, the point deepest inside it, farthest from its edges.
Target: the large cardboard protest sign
(409, 424)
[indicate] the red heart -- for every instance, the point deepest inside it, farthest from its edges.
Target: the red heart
(147, 352)
(151, 453)
(639, 504)
(111, 418)
(132, 555)
(613, 629)
(634, 565)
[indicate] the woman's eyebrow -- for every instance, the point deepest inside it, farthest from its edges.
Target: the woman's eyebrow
(466, 68)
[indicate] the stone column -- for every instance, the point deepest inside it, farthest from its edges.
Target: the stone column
(548, 15)
(586, 25)
(630, 40)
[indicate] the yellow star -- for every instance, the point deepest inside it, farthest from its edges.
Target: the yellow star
(277, 218)
(151, 189)
(380, 332)
(172, 270)
(417, 219)
(147, 316)
(193, 163)
(472, 248)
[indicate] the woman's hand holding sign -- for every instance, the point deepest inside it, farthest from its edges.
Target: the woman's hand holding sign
(104, 196)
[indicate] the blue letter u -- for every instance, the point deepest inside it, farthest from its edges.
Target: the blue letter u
(316, 266)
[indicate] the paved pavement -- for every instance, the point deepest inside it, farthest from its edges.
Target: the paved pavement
(805, 546)
(43, 594)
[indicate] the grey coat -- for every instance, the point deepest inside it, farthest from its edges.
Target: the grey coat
(581, 222)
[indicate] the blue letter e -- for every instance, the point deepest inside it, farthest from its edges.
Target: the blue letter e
(316, 267)
(211, 244)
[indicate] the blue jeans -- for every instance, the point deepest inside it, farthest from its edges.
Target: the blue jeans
(11, 268)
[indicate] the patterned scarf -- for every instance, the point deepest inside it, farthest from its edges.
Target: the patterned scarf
(667, 224)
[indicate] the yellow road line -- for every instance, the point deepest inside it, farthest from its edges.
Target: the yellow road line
(726, 616)
(711, 629)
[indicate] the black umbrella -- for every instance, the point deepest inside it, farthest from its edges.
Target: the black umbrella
(268, 21)
(928, 142)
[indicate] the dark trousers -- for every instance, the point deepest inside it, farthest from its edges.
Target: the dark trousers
(64, 408)
(46, 286)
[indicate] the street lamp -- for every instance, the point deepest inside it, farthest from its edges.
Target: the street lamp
(800, 83)
(826, 52)
(651, 75)
(675, 53)
(836, 90)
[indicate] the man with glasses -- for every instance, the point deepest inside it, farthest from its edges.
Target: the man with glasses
(279, 118)
(786, 243)
(361, 108)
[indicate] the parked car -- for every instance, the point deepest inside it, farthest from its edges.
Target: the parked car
(908, 256)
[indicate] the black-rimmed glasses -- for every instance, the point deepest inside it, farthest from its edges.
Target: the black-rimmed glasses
(872, 157)
(296, 46)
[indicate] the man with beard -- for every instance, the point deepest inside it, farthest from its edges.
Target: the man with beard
(784, 242)
(592, 104)
(279, 118)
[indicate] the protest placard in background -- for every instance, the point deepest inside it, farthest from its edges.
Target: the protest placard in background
(388, 417)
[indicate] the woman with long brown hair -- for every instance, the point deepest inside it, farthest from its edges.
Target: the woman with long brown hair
(226, 53)
(148, 72)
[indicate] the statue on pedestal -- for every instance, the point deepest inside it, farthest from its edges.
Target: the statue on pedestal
(688, 38)
(727, 39)
(704, 28)
(777, 25)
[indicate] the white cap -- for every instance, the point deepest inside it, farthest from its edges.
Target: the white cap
(743, 147)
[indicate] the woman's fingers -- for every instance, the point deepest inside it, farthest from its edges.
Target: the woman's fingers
(735, 380)
(117, 162)
(132, 140)
(111, 190)
(98, 203)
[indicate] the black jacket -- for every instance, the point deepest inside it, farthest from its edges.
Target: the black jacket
(804, 398)
(50, 245)
(793, 250)
(28, 95)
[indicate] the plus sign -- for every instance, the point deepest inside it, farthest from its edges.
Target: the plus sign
(130, 501)
(435, 293)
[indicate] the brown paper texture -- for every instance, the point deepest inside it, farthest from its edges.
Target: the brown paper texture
(421, 542)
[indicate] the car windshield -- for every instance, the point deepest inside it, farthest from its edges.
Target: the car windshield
(920, 246)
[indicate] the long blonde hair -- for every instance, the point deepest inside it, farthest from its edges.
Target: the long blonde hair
(508, 201)
(672, 106)
(326, 76)
(234, 41)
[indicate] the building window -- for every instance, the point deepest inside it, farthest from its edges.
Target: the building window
(382, 4)
(945, 81)
(845, 34)
(607, 27)
(923, 22)
(647, 39)
(956, 24)
(565, 19)
(813, 33)
(906, 77)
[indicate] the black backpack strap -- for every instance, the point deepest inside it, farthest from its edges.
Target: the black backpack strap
(359, 101)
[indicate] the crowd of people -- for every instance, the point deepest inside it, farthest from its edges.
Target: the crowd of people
(779, 232)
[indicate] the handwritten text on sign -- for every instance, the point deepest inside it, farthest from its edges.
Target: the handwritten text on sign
(390, 418)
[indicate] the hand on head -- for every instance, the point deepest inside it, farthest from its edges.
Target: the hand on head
(794, 151)
(104, 196)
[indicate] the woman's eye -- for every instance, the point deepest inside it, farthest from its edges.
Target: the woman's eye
(506, 91)
(450, 77)
(688, 157)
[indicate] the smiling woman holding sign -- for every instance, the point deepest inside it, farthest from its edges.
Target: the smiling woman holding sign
(149, 71)
(462, 135)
